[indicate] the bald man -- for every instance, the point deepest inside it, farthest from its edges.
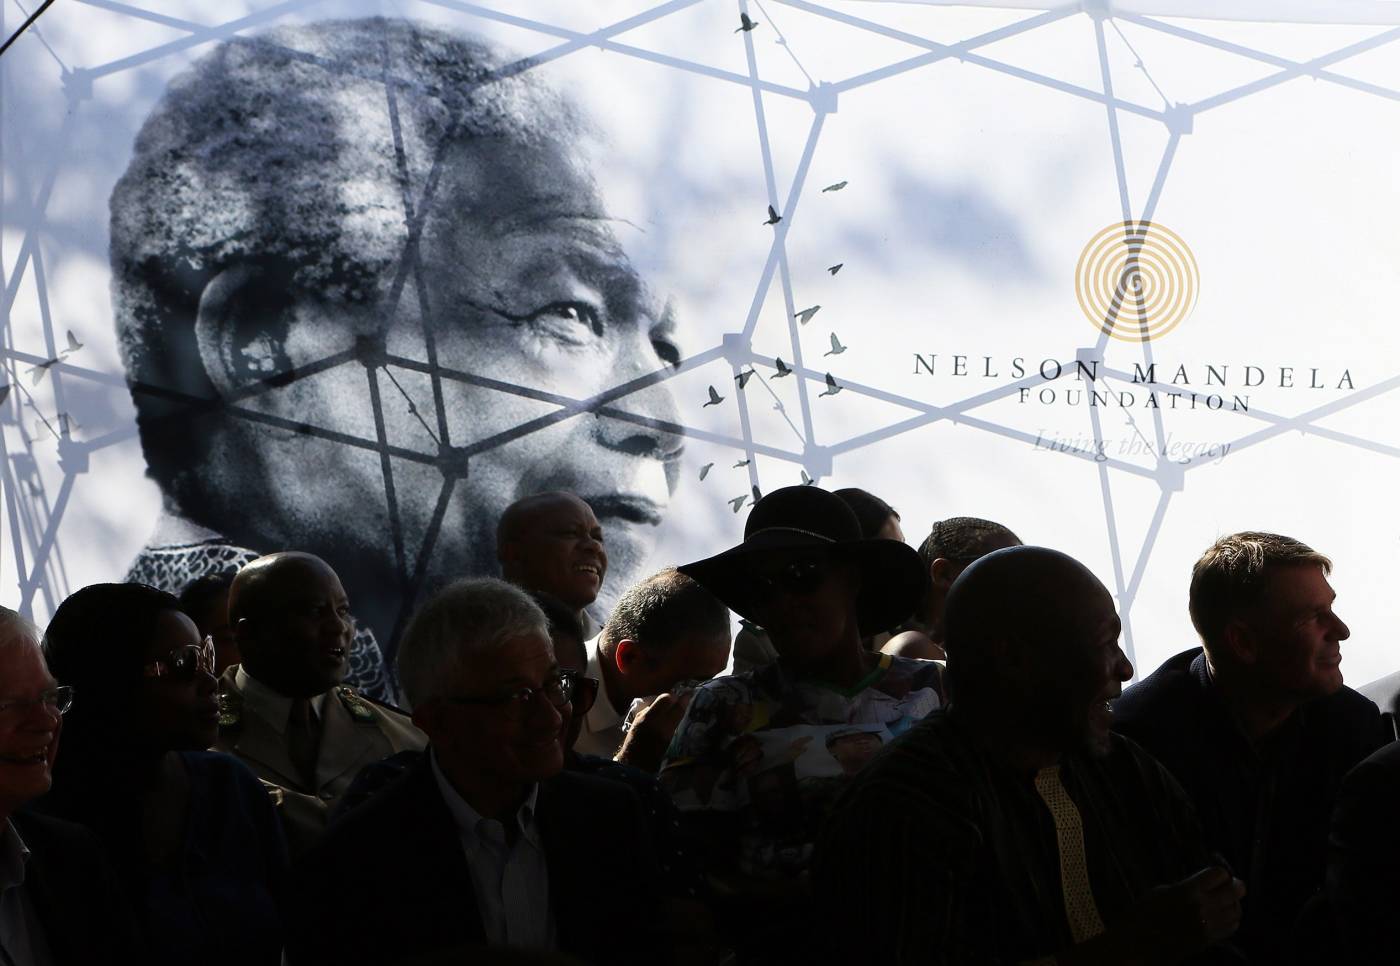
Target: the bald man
(283, 710)
(1015, 827)
(552, 543)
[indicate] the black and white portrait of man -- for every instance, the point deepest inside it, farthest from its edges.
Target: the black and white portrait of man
(360, 273)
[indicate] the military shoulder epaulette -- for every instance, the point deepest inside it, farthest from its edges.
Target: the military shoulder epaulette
(357, 705)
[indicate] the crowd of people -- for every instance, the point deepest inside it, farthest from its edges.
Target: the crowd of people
(920, 757)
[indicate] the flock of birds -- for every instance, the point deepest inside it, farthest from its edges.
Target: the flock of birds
(713, 397)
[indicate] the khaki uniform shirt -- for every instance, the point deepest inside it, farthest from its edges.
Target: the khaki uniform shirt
(354, 732)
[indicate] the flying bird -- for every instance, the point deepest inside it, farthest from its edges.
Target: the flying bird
(756, 494)
(743, 378)
(773, 216)
(805, 315)
(741, 463)
(73, 344)
(831, 387)
(783, 370)
(745, 24)
(836, 347)
(807, 480)
(738, 502)
(835, 187)
(833, 269)
(38, 372)
(5, 392)
(705, 470)
(715, 398)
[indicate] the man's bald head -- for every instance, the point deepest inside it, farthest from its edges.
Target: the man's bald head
(552, 542)
(291, 618)
(1034, 631)
(1018, 593)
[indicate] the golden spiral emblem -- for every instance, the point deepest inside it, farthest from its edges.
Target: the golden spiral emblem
(1136, 281)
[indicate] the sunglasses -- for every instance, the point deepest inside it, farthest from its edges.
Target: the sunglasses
(799, 578)
(183, 663)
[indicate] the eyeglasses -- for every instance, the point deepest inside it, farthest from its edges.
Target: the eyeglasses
(558, 691)
(183, 663)
(799, 578)
(585, 694)
(57, 700)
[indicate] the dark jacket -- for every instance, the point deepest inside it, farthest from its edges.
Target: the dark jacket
(389, 882)
(1363, 869)
(75, 893)
(1264, 806)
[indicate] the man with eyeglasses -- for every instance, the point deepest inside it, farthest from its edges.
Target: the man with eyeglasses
(486, 841)
(283, 709)
(57, 892)
(665, 636)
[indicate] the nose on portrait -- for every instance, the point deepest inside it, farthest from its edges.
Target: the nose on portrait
(650, 435)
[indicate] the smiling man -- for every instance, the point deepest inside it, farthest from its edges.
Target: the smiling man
(553, 544)
(1257, 725)
(368, 295)
(58, 897)
(487, 841)
(283, 710)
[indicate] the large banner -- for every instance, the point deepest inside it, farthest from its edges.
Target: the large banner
(351, 277)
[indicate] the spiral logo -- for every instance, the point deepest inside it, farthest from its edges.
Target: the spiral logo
(1136, 281)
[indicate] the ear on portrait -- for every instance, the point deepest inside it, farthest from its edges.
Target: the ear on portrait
(253, 325)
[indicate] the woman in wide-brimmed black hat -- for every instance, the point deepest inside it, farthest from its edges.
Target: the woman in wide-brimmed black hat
(762, 755)
(805, 575)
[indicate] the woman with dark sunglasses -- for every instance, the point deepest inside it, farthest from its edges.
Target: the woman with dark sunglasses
(192, 833)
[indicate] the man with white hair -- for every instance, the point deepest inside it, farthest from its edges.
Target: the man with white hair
(486, 841)
(57, 894)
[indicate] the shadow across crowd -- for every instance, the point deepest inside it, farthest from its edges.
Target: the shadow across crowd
(921, 757)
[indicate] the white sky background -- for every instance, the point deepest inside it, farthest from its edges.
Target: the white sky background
(971, 194)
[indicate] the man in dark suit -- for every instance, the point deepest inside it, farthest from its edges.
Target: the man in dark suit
(1363, 867)
(1257, 725)
(485, 842)
(59, 902)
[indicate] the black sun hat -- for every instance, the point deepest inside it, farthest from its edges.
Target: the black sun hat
(893, 578)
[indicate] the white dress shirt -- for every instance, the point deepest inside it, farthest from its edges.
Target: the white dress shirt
(22, 939)
(511, 879)
(602, 727)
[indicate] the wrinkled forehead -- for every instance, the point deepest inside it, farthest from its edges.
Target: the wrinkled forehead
(515, 214)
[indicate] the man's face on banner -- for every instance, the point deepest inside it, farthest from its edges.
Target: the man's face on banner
(525, 286)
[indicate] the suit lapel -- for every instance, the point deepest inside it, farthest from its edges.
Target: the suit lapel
(436, 865)
(563, 832)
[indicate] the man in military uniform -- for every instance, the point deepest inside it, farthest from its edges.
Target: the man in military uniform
(284, 710)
